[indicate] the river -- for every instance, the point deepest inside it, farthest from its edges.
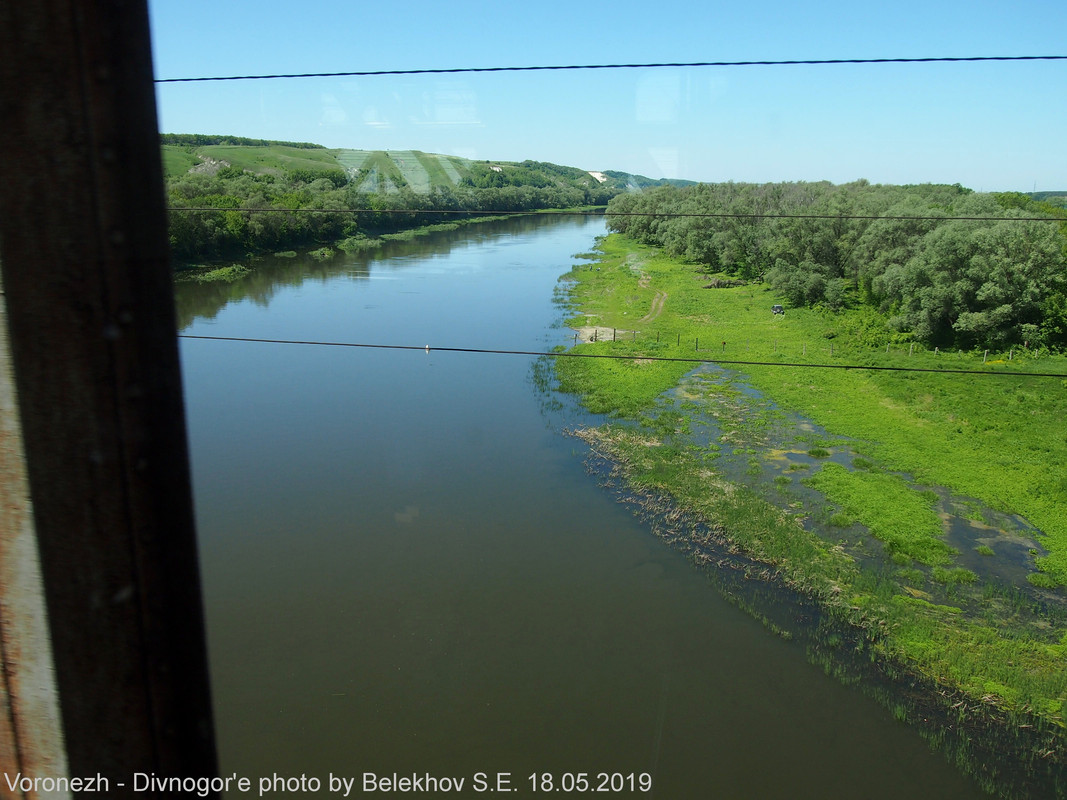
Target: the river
(408, 569)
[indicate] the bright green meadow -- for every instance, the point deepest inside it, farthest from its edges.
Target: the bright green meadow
(864, 538)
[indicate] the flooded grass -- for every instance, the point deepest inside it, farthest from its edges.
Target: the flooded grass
(864, 624)
(869, 496)
(228, 274)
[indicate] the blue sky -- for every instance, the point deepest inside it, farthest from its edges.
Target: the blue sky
(990, 126)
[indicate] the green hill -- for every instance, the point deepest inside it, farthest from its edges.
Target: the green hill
(232, 196)
(635, 183)
(380, 171)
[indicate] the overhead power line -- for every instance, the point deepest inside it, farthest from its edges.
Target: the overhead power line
(558, 67)
(570, 213)
(570, 354)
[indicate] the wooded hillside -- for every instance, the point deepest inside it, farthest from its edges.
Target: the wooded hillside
(267, 195)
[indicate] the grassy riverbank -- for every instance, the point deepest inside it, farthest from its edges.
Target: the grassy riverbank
(893, 510)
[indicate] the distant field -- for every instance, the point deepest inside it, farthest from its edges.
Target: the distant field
(409, 165)
(380, 170)
(435, 171)
(274, 157)
(353, 160)
(178, 159)
(383, 172)
(413, 168)
(374, 170)
(451, 165)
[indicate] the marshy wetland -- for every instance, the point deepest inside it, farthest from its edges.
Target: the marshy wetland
(423, 561)
(921, 511)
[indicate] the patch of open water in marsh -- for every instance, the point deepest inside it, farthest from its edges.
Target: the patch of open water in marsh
(760, 446)
(997, 747)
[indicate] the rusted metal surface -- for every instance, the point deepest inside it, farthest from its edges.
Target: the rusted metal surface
(31, 739)
(92, 328)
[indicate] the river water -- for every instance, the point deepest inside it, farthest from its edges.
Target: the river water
(408, 570)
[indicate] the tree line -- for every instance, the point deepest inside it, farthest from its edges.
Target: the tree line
(205, 139)
(946, 282)
(268, 212)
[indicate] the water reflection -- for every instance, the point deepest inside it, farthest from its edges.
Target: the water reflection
(406, 570)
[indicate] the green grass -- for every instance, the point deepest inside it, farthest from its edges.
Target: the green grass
(936, 641)
(895, 514)
(269, 159)
(454, 168)
(218, 275)
(387, 169)
(1041, 580)
(412, 168)
(953, 431)
(383, 174)
(622, 387)
(272, 158)
(1000, 440)
(178, 160)
(353, 160)
(953, 576)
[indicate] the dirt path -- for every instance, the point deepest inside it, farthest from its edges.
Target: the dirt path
(602, 333)
(657, 307)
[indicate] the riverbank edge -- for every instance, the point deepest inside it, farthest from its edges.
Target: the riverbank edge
(230, 269)
(1009, 752)
(1035, 739)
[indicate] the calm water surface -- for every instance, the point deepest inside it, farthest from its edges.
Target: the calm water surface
(406, 569)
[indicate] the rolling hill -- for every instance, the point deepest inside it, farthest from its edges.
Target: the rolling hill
(381, 171)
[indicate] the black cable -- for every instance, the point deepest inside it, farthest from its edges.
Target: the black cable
(570, 354)
(451, 71)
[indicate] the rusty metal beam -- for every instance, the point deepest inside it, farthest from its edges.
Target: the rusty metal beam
(92, 329)
(31, 737)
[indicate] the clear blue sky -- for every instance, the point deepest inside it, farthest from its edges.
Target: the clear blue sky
(990, 126)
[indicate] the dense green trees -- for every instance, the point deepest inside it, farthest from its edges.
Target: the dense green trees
(264, 212)
(202, 139)
(562, 186)
(960, 282)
